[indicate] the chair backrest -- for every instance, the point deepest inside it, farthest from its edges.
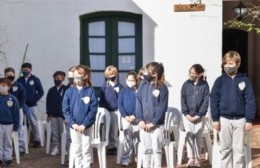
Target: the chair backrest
(101, 126)
(174, 121)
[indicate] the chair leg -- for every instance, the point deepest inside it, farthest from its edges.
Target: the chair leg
(16, 147)
(100, 158)
(139, 155)
(120, 147)
(209, 148)
(180, 149)
(41, 132)
(167, 154)
(25, 133)
(71, 158)
(103, 153)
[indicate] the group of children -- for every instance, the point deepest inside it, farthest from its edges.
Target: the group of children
(142, 103)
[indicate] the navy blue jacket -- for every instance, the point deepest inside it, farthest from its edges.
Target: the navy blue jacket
(80, 106)
(54, 101)
(109, 96)
(9, 111)
(18, 91)
(127, 101)
(151, 103)
(232, 98)
(33, 89)
(195, 98)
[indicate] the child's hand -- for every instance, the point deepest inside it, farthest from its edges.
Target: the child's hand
(48, 119)
(142, 124)
(248, 127)
(216, 125)
(195, 118)
(188, 117)
(132, 118)
(81, 128)
(150, 127)
(75, 127)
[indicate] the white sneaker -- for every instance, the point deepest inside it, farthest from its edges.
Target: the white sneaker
(55, 151)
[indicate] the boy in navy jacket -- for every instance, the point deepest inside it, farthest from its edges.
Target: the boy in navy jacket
(34, 93)
(54, 108)
(9, 121)
(233, 108)
(18, 91)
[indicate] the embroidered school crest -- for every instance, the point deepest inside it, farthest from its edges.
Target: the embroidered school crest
(156, 92)
(242, 85)
(86, 99)
(31, 82)
(10, 103)
(15, 88)
(116, 89)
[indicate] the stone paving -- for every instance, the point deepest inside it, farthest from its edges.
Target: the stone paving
(38, 159)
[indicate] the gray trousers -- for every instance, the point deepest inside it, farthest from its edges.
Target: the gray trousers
(194, 138)
(6, 148)
(232, 142)
(113, 130)
(32, 117)
(56, 130)
(131, 134)
(152, 145)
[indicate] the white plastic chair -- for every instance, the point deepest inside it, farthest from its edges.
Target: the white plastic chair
(25, 132)
(43, 125)
(121, 138)
(168, 145)
(48, 139)
(100, 127)
(16, 147)
(216, 156)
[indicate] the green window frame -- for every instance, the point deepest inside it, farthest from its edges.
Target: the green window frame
(111, 38)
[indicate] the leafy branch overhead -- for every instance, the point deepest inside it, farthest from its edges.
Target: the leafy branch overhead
(250, 22)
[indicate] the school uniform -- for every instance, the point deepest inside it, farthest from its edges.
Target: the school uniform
(151, 106)
(54, 110)
(126, 106)
(108, 100)
(34, 92)
(9, 122)
(80, 107)
(233, 104)
(194, 102)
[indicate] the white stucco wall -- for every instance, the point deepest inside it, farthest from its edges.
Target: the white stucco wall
(51, 27)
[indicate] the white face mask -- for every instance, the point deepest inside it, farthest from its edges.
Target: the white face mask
(130, 84)
(3, 89)
(77, 80)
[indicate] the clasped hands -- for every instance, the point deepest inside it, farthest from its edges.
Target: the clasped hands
(146, 127)
(79, 128)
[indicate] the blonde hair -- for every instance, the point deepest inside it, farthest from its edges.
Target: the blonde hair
(111, 70)
(140, 75)
(231, 55)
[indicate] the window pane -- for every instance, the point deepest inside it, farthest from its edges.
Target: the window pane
(122, 76)
(126, 45)
(97, 28)
(97, 45)
(97, 79)
(97, 62)
(126, 62)
(126, 29)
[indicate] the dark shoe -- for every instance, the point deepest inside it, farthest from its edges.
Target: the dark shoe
(109, 151)
(1, 162)
(37, 144)
(114, 151)
(22, 153)
(9, 163)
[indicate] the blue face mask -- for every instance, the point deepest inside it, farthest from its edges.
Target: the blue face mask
(112, 78)
(57, 82)
(148, 78)
(26, 73)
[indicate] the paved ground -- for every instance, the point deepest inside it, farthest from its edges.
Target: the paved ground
(38, 159)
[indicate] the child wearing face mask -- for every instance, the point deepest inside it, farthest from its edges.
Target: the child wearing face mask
(108, 99)
(54, 111)
(151, 105)
(126, 106)
(194, 106)
(70, 77)
(233, 107)
(34, 92)
(9, 121)
(17, 90)
(79, 107)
